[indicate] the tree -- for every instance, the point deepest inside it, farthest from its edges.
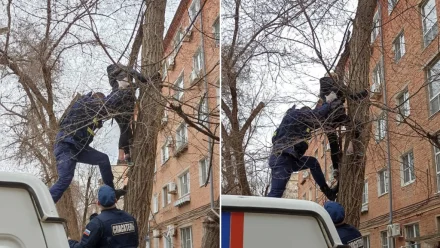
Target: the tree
(140, 183)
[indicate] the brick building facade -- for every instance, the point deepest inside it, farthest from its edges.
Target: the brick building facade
(404, 72)
(191, 72)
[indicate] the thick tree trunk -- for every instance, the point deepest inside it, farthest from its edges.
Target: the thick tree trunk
(140, 183)
(240, 166)
(352, 171)
(211, 238)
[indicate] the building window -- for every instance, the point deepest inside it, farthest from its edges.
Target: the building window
(156, 242)
(216, 31)
(365, 194)
(202, 112)
(366, 241)
(184, 184)
(408, 168)
(177, 41)
(403, 105)
(380, 128)
(198, 61)
(203, 170)
(434, 88)
(412, 231)
(164, 70)
(399, 47)
(316, 152)
(376, 27)
(166, 197)
(193, 10)
(155, 204)
(391, 5)
(304, 196)
(437, 166)
(382, 182)
(377, 78)
(186, 237)
(384, 239)
(165, 152)
(429, 20)
(181, 136)
(178, 88)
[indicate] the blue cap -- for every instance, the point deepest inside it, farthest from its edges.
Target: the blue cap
(106, 196)
(336, 211)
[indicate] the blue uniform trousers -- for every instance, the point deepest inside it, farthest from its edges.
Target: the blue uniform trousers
(284, 165)
(67, 155)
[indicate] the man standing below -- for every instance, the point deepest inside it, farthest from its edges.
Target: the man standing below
(110, 229)
(347, 233)
(77, 129)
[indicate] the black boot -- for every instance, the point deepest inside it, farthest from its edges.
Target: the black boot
(119, 193)
(330, 193)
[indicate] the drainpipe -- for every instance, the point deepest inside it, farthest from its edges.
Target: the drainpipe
(207, 107)
(385, 101)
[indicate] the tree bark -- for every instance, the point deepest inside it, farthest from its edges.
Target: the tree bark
(147, 126)
(352, 171)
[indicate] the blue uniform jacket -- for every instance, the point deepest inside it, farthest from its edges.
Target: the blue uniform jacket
(80, 122)
(113, 228)
(292, 134)
(347, 233)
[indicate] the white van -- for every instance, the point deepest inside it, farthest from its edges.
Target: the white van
(264, 222)
(28, 215)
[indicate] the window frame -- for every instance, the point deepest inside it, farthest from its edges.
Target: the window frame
(376, 26)
(166, 196)
(204, 162)
(179, 141)
(416, 234)
(365, 193)
(385, 182)
(399, 47)
(188, 179)
(425, 29)
(179, 87)
(184, 242)
(412, 175)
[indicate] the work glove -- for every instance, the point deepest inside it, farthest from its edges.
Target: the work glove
(331, 97)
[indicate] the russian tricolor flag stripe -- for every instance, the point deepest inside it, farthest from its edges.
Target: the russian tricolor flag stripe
(232, 230)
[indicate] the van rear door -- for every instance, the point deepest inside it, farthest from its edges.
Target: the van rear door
(20, 225)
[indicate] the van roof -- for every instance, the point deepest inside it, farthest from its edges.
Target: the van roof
(36, 188)
(238, 202)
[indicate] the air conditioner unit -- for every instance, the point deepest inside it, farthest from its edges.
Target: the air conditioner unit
(188, 34)
(171, 230)
(171, 62)
(172, 188)
(195, 76)
(393, 230)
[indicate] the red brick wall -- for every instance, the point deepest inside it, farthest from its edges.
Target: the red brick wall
(197, 142)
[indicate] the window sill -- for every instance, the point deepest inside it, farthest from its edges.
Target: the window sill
(379, 196)
(407, 183)
(181, 149)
